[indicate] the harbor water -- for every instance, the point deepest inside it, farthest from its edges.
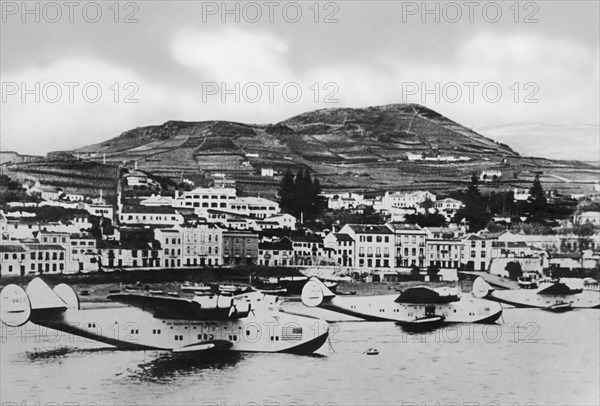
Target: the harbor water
(529, 357)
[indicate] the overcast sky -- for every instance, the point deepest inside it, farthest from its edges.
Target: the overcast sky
(378, 52)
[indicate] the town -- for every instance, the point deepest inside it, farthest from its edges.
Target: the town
(48, 230)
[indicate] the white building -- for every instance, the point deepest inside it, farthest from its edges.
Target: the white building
(73, 197)
(476, 253)
(207, 198)
(170, 240)
(448, 204)
(344, 201)
(268, 172)
(150, 216)
(403, 200)
(374, 245)
(140, 179)
(157, 200)
(591, 217)
(257, 207)
(101, 210)
(490, 175)
(202, 245)
(342, 246)
(521, 195)
(414, 157)
(409, 245)
(283, 221)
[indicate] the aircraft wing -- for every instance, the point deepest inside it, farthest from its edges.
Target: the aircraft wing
(205, 346)
(424, 295)
(174, 308)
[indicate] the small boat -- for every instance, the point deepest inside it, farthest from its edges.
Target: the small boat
(528, 280)
(272, 291)
(372, 351)
(559, 307)
(156, 292)
(351, 293)
(173, 294)
(196, 288)
(233, 289)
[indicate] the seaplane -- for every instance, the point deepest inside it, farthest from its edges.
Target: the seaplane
(252, 322)
(414, 307)
(553, 296)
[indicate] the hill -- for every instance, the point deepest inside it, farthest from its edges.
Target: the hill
(398, 146)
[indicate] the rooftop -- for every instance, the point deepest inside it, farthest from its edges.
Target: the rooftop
(148, 209)
(11, 248)
(370, 229)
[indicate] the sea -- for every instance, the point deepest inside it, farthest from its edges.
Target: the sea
(530, 357)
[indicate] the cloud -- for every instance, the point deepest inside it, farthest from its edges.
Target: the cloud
(80, 101)
(564, 71)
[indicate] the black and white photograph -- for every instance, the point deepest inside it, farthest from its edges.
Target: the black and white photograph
(288, 203)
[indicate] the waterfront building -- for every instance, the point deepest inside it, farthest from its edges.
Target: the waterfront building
(374, 245)
(279, 253)
(240, 247)
(444, 254)
(476, 253)
(409, 245)
(342, 246)
(13, 260)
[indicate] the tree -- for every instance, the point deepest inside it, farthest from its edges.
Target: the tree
(415, 270)
(494, 228)
(537, 200)
(473, 188)
(287, 192)
(426, 220)
(514, 269)
(433, 270)
(318, 202)
(301, 195)
(583, 233)
(474, 211)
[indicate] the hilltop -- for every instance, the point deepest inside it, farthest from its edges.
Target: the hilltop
(397, 146)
